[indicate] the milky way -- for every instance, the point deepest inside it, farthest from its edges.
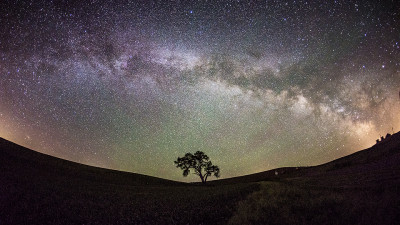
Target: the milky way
(132, 85)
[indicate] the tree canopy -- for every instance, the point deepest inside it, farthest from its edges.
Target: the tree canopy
(199, 163)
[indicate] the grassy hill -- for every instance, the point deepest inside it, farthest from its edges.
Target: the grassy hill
(377, 164)
(40, 189)
(362, 188)
(15, 159)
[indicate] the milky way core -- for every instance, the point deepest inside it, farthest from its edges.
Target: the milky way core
(132, 85)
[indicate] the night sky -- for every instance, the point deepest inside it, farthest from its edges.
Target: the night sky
(132, 85)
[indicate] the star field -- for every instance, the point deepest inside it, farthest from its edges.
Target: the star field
(132, 85)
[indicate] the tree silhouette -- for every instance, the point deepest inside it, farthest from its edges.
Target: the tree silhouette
(200, 163)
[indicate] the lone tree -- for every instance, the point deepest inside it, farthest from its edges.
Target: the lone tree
(200, 163)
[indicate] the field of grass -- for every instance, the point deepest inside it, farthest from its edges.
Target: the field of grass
(363, 188)
(80, 202)
(288, 203)
(269, 202)
(40, 189)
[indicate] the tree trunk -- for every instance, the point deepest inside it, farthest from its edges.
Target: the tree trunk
(202, 178)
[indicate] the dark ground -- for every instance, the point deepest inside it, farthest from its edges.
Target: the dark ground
(362, 188)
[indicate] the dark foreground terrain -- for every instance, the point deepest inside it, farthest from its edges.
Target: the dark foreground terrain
(362, 188)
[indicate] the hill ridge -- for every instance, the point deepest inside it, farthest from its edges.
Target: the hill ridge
(50, 164)
(382, 149)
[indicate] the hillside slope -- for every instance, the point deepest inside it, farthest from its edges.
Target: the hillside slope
(21, 162)
(39, 189)
(361, 188)
(378, 164)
